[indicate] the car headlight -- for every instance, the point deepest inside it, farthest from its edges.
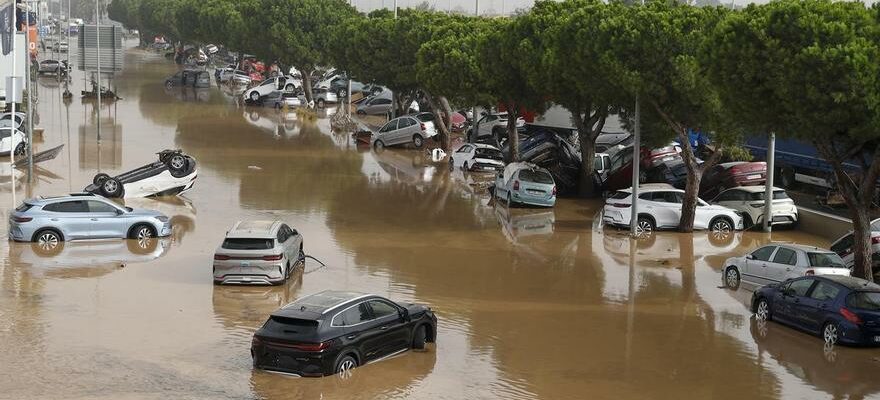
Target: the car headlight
(162, 218)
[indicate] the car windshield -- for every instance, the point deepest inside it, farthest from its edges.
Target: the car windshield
(777, 195)
(829, 260)
(489, 153)
(425, 117)
(864, 300)
(619, 195)
(533, 175)
(247, 244)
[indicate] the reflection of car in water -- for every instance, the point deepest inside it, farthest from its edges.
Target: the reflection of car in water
(840, 372)
(406, 166)
(247, 306)
(518, 224)
(189, 77)
(89, 253)
(179, 209)
(190, 94)
(174, 173)
(279, 123)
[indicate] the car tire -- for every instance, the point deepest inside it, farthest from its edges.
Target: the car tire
(762, 310)
(289, 87)
(100, 178)
(320, 103)
(112, 188)
(48, 242)
(831, 333)
(732, 277)
(379, 146)
(361, 112)
(177, 163)
(451, 165)
(141, 232)
(19, 149)
(254, 96)
(721, 225)
(168, 84)
(345, 365)
(747, 221)
(418, 141)
(464, 167)
(645, 226)
(341, 93)
(420, 336)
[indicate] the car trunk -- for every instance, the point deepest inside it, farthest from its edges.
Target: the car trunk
(750, 173)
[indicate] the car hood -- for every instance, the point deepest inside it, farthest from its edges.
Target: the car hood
(142, 212)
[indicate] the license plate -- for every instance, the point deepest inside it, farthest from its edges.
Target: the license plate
(245, 264)
(877, 338)
(753, 177)
(532, 191)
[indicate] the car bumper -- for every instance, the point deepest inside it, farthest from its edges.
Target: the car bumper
(615, 217)
(275, 358)
(20, 233)
(541, 201)
(165, 229)
(253, 273)
(858, 335)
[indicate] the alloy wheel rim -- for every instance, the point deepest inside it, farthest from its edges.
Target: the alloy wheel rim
(732, 278)
(48, 241)
(110, 186)
(144, 233)
(177, 162)
(762, 311)
(830, 334)
(643, 227)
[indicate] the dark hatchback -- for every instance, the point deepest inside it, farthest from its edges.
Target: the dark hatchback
(841, 309)
(332, 332)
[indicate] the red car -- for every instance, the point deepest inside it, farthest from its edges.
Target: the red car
(620, 176)
(732, 174)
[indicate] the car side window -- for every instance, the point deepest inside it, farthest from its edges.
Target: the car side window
(382, 309)
(726, 196)
(352, 315)
(405, 122)
(464, 149)
(647, 196)
(785, 256)
(68, 206)
(843, 245)
(825, 291)
(101, 207)
(799, 287)
(390, 126)
(764, 253)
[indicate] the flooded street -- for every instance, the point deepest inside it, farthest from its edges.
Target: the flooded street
(532, 303)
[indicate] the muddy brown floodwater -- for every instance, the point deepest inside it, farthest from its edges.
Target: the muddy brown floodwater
(532, 304)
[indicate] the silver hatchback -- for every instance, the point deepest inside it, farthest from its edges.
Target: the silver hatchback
(49, 220)
(257, 253)
(402, 130)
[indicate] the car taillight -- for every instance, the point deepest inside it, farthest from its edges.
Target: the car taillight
(809, 272)
(221, 257)
(276, 257)
(620, 205)
(515, 185)
(22, 219)
(850, 316)
(875, 239)
(554, 191)
(256, 341)
(311, 346)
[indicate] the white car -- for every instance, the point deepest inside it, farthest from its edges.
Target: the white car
(844, 246)
(477, 157)
(232, 75)
(270, 85)
(659, 207)
(749, 201)
(257, 253)
(495, 125)
(173, 174)
(322, 96)
(777, 262)
(9, 141)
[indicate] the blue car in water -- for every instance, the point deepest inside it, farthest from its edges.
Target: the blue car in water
(841, 309)
(527, 184)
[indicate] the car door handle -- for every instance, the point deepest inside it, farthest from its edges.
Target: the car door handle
(351, 337)
(94, 219)
(384, 327)
(53, 219)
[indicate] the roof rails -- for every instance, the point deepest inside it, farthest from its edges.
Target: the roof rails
(82, 194)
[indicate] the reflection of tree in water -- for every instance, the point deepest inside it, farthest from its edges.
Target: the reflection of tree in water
(153, 103)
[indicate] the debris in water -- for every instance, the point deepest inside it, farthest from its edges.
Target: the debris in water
(254, 167)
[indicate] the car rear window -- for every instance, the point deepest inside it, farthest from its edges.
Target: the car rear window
(777, 195)
(864, 300)
(291, 328)
(619, 195)
(531, 175)
(425, 117)
(23, 207)
(248, 244)
(828, 260)
(489, 153)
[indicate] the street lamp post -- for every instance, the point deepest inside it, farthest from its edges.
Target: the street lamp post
(29, 88)
(98, 58)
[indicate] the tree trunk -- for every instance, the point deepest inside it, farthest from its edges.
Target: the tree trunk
(307, 83)
(692, 187)
(512, 132)
(589, 126)
(862, 254)
(439, 123)
(446, 123)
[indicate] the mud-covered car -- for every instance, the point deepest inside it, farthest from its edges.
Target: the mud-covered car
(58, 67)
(174, 173)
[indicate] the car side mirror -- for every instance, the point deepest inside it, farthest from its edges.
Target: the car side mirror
(404, 314)
(750, 257)
(788, 292)
(119, 212)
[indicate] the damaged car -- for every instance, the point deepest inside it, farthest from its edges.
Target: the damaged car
(527, 184)
(174, 173)
(477, 157)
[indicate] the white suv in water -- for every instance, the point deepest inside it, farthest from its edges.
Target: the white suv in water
(257, 253)
(659, 207)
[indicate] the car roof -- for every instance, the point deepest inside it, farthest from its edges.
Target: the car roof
(851, 282)
(653, 187)
(801, 247)
(54, 199)
(484, 146)
(318, 304)
(254, 229)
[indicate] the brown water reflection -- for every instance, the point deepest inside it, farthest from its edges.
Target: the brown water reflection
(533, 303)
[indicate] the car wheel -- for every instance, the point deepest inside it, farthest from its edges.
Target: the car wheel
(721, 226)
(451, 165)
(361, 112)
(464, 166)
(380, 146)
(289, 87)
(419, 338)
(112, 188)
(320, 103)
(48, 243)
(255, 96)
(141, 232)
(19, 149)
(169, 85)
(100, 178)
(177, 163)
(418, 141)
(345, 366)
(747, 221)
(644, 226)
(341, 93)
(762, 311)
(731, 278)
(830, 333)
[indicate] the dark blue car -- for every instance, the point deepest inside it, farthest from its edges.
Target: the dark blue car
(841, 309)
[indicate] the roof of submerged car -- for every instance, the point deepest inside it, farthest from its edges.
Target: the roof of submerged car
(318, 304)
(253, 229)
(851, 282)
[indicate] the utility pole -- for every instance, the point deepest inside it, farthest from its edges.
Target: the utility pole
(98, 53)
(69, 48)
(768, 188)
(475, 126)
(30, 91)
(11, 95)
(634, 214)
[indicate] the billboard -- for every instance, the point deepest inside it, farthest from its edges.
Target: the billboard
(111, 48)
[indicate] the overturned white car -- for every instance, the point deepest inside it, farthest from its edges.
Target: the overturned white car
(174, 173)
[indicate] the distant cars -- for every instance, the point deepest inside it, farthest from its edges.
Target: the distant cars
(672, 172)
(49, 220)
(189, 77)
(11, 139)
(843, 246)
(61, 47)
(174, 173)
(257, 253)
(57, 67)
(279, 99)
(749, 201)
(230, 74)
(402, 130)
(840, 309)
(270, 85)
(778, 262)
(375, 105)
(732, 174)
(527, 184)
(334, 332)
(323, 96)
(659, 207)
(494, 126)
(477, 157)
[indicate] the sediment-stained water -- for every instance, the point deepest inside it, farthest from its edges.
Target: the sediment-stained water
(532, 303)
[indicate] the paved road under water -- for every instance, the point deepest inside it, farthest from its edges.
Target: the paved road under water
(533, 304)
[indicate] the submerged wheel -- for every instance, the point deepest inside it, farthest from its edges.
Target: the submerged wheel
(19, 149)
(142, 232)
(48, 243)
(420, 337)
(255, 96)
(380, 146)
(830, 333)
(731, 278)
(762, 311)
(320, 103)
(418, 141)
(345, 366)
(644, 226)
(721, 226)
(112, 188)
